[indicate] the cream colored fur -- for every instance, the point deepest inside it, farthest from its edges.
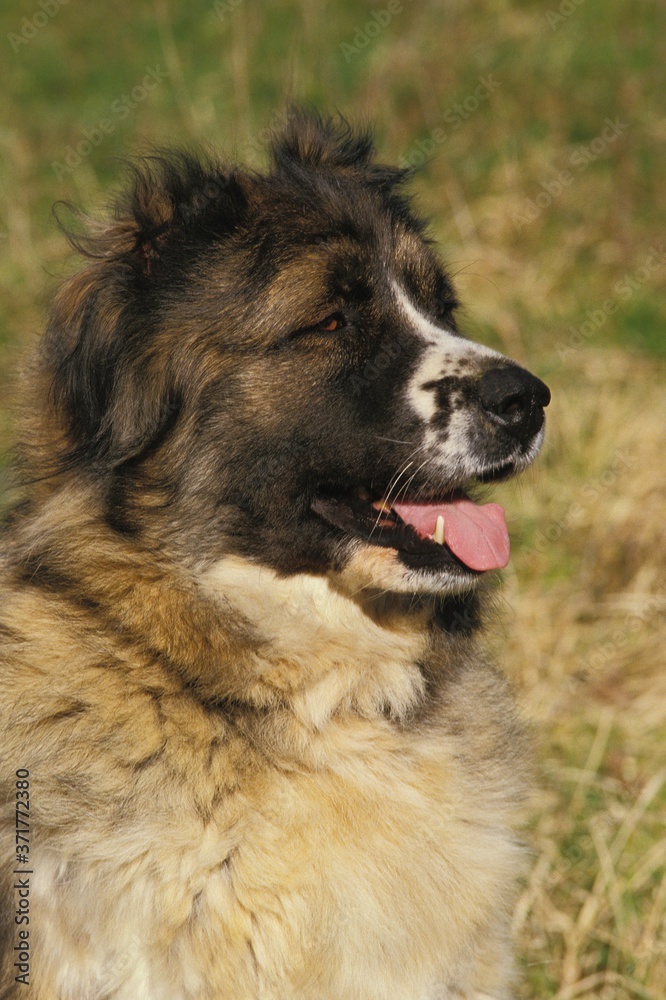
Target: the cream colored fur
(351, 843)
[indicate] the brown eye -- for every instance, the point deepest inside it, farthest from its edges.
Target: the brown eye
(329, 324)
(332, 323)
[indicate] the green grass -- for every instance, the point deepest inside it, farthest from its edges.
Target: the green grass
(587, 926)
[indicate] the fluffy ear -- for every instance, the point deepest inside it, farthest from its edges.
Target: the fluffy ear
(329, 143)
(97, 348)
(103, 405)
(167, 197)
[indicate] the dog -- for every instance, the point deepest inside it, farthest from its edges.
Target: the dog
(251, 745)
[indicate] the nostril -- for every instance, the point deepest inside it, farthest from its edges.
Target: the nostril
(513, 406)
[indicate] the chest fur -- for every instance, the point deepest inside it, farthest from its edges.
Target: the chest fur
(368, 873)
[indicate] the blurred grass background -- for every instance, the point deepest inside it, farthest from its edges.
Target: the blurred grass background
(540, 132)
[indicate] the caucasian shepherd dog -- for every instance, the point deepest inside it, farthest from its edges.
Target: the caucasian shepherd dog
(250, 748)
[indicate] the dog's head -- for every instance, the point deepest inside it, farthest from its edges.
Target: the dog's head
(269, 366)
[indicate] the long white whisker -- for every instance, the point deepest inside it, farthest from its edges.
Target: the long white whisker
(394, 481)
(393, 491)
(405, 487)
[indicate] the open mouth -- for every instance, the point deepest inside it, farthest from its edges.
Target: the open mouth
(449, 531)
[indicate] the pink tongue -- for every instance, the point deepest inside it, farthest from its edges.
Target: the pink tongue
(476, 534)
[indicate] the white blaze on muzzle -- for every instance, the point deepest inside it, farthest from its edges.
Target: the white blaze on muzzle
(441, 347)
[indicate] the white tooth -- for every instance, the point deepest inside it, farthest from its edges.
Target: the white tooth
(439, 531)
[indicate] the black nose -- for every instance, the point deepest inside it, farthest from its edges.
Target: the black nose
(514, 400)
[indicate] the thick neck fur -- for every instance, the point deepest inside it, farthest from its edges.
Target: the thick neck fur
(236, 631)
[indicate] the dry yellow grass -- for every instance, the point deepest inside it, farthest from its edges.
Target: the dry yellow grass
(585, 645)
